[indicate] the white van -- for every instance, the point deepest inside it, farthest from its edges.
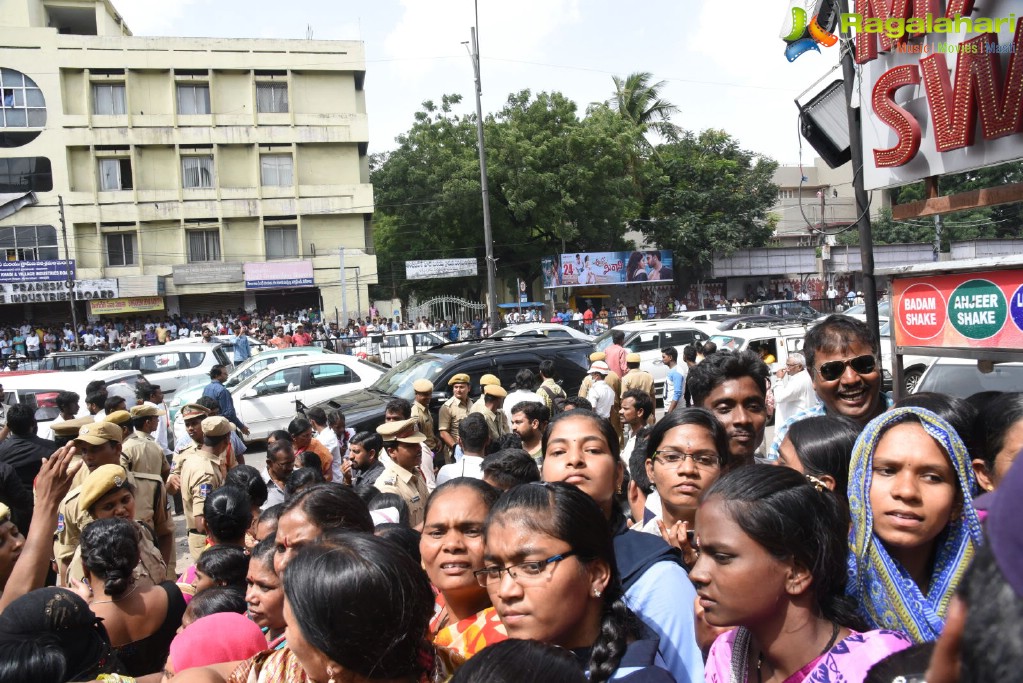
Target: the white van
(39, 390)
(390, 348)
(171, 365)
(648, 337)
(778, 341)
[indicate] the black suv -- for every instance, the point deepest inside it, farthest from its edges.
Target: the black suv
(504, 357)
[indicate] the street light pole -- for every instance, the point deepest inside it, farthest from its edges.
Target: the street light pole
(70, 279)
(487, 231)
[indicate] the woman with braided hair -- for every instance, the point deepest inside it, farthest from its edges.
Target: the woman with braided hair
(550, 569)
(773, 563)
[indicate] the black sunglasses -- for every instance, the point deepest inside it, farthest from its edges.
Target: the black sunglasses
(833, 369)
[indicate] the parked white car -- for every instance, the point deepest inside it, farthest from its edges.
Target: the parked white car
(393, 347)
(172, 366)
(39, 390)
(266, 401)
(964, 377)
(778, 342)
(552, 330)
(648, 337)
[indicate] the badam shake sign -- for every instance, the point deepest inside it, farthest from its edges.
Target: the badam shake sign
(983, 309)
(941, 85)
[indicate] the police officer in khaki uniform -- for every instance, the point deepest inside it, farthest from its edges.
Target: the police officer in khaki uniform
(140, 452)
(67, 431)
(193, 414)
(100, 444)
(421, 411)
(493, 402)
(452, 412)
(401, 474)
(107, 493)
(636, 379)
(486, 380)
(201, 473)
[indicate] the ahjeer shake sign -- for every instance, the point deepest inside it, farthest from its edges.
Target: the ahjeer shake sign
(944, 91)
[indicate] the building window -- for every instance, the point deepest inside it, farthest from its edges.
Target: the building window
(197, 171)
(29, 243)
(19, 175)
(21, 104)
(193, 99)
(121, 249)
(272, 98)
(108, 99)
(275, 169)
(282, 242)
(203, 245)
(115, 174)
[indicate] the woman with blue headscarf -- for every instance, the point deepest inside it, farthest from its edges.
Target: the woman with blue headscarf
(914, 528)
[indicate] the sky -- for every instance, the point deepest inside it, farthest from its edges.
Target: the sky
(723, 63)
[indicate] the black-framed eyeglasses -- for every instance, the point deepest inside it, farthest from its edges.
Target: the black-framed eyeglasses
(523, 573)
(861, 365)
(676, 458)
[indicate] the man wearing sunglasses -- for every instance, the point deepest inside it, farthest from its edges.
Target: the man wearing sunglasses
(843, 360)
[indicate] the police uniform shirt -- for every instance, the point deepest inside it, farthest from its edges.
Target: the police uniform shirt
(478, 405)
(422, 415)
(200, 475)
(141, 453)
(495, 424)
(150, 508)
(408, 485)
(182, 455)
(638, 379)
(584, 387)
(451, 413)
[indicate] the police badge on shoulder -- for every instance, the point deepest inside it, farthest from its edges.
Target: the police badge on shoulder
(204, 490)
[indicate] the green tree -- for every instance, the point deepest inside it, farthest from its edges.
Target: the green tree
(707, 195)
(638, 100)
(555, 180)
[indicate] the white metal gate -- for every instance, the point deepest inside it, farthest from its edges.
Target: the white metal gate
(447, 308)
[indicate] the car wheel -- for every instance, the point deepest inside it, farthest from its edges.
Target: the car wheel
(911, 378)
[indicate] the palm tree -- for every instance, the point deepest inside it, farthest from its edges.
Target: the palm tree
(638, 100)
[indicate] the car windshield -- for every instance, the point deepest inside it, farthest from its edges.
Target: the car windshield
(966, 380)
(506, 332)
(398, 380)
(727, 341)
(248, 369)
(884, 309)
(603, 341)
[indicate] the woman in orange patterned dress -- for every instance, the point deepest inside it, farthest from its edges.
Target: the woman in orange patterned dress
(464, 621)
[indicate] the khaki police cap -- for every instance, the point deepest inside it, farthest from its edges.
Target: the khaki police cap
(493, 390)
(190, 410)
(422, 386)
(118, 417)
(460, 378)
(70, 427)
(488, 380)
(98, 433)
(146, 411)
(404, 431)
(632, 358)
(598, 355)
(100, 482)
(218, 425)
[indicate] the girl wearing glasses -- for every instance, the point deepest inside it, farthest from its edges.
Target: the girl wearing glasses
(582, 449)
(773, 563)
(451, 546)
(914, 527)
(550, 570)
(686, 452)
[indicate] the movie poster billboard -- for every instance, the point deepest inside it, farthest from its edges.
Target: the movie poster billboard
(607, 268)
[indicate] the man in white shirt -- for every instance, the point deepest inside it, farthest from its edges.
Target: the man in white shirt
(152, 395)
(32, 344)
(793, 390)
(325, 435)
(600, 395)
(473, 436)
(525, 390)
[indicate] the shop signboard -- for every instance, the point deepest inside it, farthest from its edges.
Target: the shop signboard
(980, 309)
(278, 274)
(48, 292)
(36, 271)
(438, 268)
(207, 273)
(138, 304)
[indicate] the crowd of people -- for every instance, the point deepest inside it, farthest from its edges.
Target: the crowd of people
(532, 535)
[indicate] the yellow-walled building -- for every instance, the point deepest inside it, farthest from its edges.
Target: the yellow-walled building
(197, 174)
